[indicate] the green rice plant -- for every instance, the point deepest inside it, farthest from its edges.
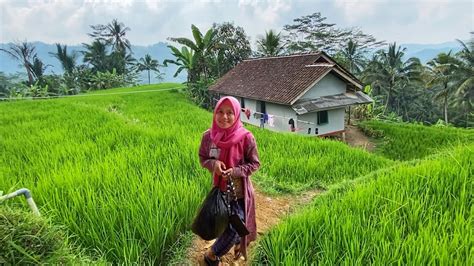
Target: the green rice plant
(29, 239)
(119, 168)
(418, 213)
(293, 163)
(402, 141)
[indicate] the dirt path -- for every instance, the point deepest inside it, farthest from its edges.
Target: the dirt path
(269, 212)
(356, 138)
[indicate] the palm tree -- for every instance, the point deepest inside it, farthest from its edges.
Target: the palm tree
(112, 33)
(464, 78)
(353, 57)
(148, 64)
(68, 61)
(270, 45)
(388, 72)
(38, 68)
(441, 70)
(23, 52)
(96, 55)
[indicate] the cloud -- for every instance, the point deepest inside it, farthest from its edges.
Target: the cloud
(152, 21)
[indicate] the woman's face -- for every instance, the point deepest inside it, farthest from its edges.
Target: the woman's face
(225, 116)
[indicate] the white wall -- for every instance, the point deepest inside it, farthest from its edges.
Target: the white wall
(329, 85)
(335, 122)
(282, 114)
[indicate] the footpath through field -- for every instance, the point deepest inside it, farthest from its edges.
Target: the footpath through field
(269, 211)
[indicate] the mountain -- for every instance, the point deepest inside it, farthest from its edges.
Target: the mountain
(426, 52)
(158, 51)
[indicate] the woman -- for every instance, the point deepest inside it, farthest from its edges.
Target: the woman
(229, 151)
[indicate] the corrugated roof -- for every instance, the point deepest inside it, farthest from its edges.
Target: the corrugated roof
(278, 79)
(331, 102)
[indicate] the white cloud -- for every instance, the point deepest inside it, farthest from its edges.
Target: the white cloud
(152, 21)
(356, 9)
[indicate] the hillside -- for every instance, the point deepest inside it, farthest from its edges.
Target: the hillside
(107, 167)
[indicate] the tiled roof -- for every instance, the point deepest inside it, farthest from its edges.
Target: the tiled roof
(331, 102)
(277, 79)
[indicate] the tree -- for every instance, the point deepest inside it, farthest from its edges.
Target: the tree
(24, 53)
(232, 46)
(185, 60)
(441, 82)
(38, 68)
(68, 61)
(149, 64)
(312, 33)
(96, 55)
(464, 79)
(270, 45)
(352, 57)
(387, 72)
(203, 47)
(113, 34)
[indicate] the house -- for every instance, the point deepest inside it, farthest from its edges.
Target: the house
(305, 93)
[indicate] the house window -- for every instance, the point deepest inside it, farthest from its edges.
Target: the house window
(322, 117)
(242, 102)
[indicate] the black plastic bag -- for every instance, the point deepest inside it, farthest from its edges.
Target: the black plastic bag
(213, 216)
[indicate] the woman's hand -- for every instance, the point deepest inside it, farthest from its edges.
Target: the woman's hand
(219, 167)
(226, 174)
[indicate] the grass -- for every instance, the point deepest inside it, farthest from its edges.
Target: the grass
(402, 141)
(28, 239)
(121, 171)
(418, 212)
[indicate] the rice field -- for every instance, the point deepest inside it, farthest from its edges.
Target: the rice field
(416, 213)
(403, 141)
(121, 171)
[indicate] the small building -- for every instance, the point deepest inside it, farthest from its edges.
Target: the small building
(305, 93)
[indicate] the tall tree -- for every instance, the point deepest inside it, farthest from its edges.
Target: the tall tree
(149, 64)
(96, 55)
(313, 33)
(24, 53)
(68, 61)
(232, 46)
(352, 57)
(441, 82)
(270, 45)
(113, 34)
(389, 73)
(38, 68)
(464, 79)
(203, 47)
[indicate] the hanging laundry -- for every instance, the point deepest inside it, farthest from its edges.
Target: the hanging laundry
(265, 118)
(270, 120)
(247, 113)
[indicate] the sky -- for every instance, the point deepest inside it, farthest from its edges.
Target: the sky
(152, 21)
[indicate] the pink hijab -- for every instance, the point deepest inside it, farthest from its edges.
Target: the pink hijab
(228, 140)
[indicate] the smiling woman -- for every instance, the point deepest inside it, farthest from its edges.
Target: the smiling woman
(229, 152)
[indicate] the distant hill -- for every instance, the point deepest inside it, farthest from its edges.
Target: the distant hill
(158, 51)
(426, 52)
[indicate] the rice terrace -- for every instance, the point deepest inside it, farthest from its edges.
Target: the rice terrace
(299, 140)
(124, 184)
